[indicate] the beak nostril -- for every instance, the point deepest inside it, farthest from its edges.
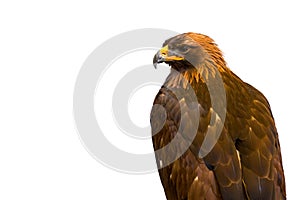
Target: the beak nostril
(164, 51)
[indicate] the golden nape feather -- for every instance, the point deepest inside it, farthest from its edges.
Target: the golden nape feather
(234, 155)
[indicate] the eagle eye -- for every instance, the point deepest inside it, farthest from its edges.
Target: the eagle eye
(184, 49)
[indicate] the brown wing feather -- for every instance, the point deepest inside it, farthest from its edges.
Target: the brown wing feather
(187, 177)
(223, 159)
(262, 167)
(251, 125)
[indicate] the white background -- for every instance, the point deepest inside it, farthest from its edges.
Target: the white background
(43, 45)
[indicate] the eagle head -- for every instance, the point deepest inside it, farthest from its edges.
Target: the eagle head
(188, 50)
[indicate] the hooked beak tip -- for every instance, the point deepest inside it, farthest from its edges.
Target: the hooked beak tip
(158, 58)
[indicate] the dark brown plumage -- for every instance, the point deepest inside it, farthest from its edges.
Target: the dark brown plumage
(245, 162)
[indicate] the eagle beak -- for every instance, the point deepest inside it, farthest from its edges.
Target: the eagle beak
(163, 55)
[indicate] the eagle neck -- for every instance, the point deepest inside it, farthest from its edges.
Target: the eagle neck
(205, 71)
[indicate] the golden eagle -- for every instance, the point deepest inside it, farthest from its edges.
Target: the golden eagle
(241, 157)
